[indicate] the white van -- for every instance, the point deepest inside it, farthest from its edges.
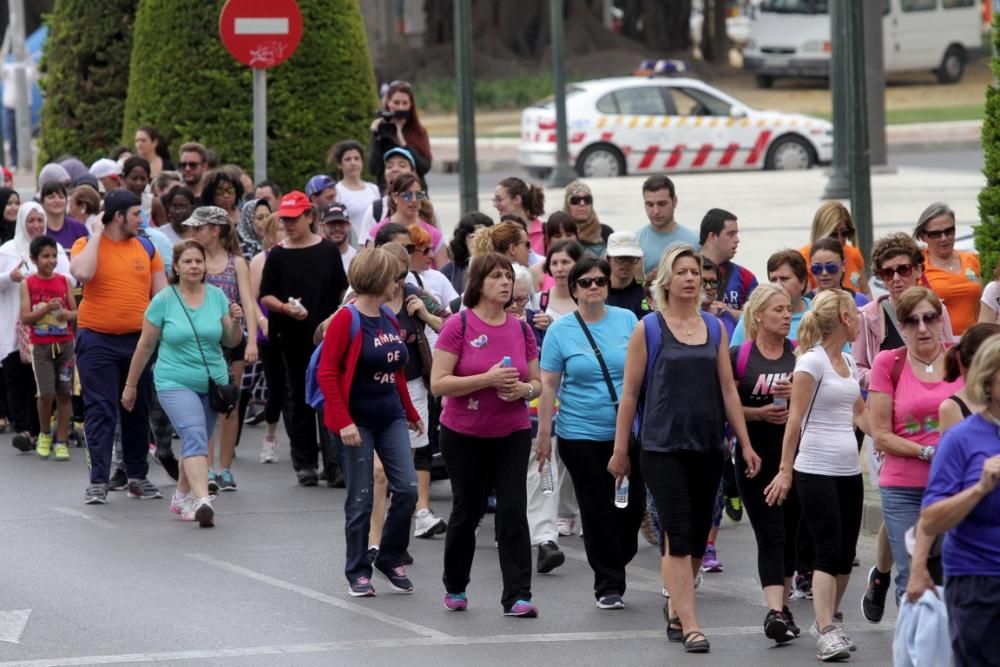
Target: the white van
(792, 38)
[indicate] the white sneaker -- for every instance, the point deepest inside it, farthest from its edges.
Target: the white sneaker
(180, 503)
(831, 646)
(200, 510)
(565, 526)
(428, 525)
(838, 621)
(269, 449)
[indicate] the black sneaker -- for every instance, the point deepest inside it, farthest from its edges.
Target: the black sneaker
(734, 508)
(396, 576)
(118, 481)
(335, 480)
(144, 489)
(308, 477)
(873, 603)
(804, 584)
(96, 494)
(168, 461)
(23, 442)
(549, 557)
(372, 554)
(776, 627)
(790, 621)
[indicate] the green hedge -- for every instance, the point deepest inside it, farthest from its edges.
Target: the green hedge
(987, 233)
(85, 75)
(185, 83)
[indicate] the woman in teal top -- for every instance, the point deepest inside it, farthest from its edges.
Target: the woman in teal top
(182, 318)
(585, 424)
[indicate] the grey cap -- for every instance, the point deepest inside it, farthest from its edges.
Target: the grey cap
(207, 215)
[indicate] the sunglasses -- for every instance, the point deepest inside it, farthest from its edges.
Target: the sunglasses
(888, 273)
(711, 284)
(413, 196)
(410, 248)
(189, 165)
(847, 232)
(826, 267)
(401, 276)
(426, 251)
(583, 199)
(229, 190)
(586, 283)
(926, 318)
(939, 233)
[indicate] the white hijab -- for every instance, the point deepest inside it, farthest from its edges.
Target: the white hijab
(19, 246)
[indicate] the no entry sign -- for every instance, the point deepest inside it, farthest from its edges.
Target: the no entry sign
(261, 33)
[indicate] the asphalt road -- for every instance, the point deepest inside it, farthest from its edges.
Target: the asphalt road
(128, 583)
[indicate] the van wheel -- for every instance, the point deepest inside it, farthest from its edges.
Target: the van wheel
(601, 161)
(790, 152)
(952, 65)
(764, 81)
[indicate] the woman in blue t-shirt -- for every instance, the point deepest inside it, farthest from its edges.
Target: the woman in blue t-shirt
(588, 403)
(190, 321)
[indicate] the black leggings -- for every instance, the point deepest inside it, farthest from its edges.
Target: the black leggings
(684, 485)
(832, 507)
(21, 405)
(277, 382)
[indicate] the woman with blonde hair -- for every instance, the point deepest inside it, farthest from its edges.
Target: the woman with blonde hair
(680, 355)
(833, 220)
(507, 238)
(825, 404)
(578, 202)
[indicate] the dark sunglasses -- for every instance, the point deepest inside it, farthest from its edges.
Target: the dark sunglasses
(582, 199)
(585, 283)
(426, 251)
(927, 318)
(888, 273)
(410, 248)
(413, 196)
(826, 267)
(189, 165)
(938, 233)
(843, 233)
(711, 284)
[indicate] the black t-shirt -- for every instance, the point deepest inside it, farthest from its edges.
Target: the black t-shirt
(893, 340)
(315, 276)
(374, 398)
(631, 298)
(755, 389)
(408, 332)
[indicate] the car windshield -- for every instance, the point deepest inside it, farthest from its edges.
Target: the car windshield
(795, 6)
(549, 102)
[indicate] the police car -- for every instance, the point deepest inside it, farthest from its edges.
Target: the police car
(654, 124)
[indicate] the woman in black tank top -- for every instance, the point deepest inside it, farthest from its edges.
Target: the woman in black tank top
(957, 360)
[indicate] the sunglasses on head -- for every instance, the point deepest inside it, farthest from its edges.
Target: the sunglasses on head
(826, 267)
(889, 272)
(420, 195)
(939, 233)
(926, 318)
(585, 283)
(582, 199)
(189, 165)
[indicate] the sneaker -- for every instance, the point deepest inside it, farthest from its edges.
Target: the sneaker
(203, 512)
(335, 479)
(168, 462)
(776, 627)
(710, 561)
(549, 557)
(23, 442)
(698, 578)
(118, 481)
(268, 449)
(179, 503)
(648, 530)
(362, 588)
(226, 481)
(804, 585)
(831, 646)
(790, 621)
(456, 601)
(838, 622)
(144, 489)
(396, 576)
(427, 525)
(611, 601)
(873, 603)
(213, 481)
(372, 554)
(307, 477)
(43, 445)
(61, 451)
(96, 494)
(734, 508)
(565, 526)
(522, 609)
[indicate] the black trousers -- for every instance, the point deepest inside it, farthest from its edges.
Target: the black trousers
(302, 428)
(775, 527)
(610, 534)
(19, 380)
(973, 618)
(832, 507)
(684, 485)
(474, 464)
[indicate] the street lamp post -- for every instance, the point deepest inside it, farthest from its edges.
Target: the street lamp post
(839, 186)
(563, 174)
(468, 175)
(858, 158)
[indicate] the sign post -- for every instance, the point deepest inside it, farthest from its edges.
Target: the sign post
(260, 34)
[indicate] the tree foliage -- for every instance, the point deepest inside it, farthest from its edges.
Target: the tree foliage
(185, 83)
(987, 233)
(85, 68)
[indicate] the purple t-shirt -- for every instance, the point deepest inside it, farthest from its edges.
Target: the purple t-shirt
(70, 232)
(973, 546)
(482, 413)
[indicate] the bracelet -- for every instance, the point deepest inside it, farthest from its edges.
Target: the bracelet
(531, 392)
(133, 385)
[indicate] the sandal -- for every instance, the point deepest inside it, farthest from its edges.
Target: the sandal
(696, 645)
(675, 631)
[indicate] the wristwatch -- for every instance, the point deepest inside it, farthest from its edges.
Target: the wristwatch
(531, 392)
(926, 453)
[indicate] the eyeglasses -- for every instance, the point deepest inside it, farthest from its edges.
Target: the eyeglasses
(227, 190)
(189, 165)
(401, 276)
(496, 201)
(927, 318)
(938, 233)
(410, 248)
(889, 272)
(420, 195)
(583, 199)
(586, 283)
(520, 300)
(846, 232)
(711, 284)
(826, 267)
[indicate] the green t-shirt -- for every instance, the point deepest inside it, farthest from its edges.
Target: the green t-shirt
(179, 364)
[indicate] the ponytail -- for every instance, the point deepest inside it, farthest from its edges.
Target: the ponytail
(959, 357)
(534, 203)
(824, 317)
(809, 333)
(952, 365)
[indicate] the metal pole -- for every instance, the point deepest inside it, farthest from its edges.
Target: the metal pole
(468, 172)
(839, 186)
(22, 111)
(857, 129)
(259, 125)
(563, 174)
(874, 68)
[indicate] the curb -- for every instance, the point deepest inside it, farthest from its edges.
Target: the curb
(871, 517)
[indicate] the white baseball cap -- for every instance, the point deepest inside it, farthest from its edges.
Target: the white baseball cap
(624, 244)
(104, 168)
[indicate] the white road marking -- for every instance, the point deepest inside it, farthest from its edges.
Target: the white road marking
(261, 26)
(352, 607)
(12, 625)
(97, 521)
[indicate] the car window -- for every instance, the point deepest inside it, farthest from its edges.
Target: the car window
(607, 104)
(693, 102)
(645, 101)
(918, 5)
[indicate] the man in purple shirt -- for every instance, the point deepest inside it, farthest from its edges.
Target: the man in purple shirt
(58, 225)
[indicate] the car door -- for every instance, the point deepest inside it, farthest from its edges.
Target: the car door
(635, 117)
(917, 39)
(703, 130)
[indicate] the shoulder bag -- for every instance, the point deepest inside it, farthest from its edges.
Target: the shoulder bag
(222, 398)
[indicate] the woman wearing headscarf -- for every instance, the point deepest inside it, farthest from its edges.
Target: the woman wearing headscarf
(579, 204)
(10, 201)
(252, 218)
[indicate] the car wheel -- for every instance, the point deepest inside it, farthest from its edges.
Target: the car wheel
(601, 161)
(952, 65)
(765, 81)
(790, 152)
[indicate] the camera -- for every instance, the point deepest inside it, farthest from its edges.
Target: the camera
(387, 128)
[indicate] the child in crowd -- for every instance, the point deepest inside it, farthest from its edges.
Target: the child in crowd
(47, 308)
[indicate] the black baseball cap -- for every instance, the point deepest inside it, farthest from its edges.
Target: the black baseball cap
(118, 200)
(335, 212)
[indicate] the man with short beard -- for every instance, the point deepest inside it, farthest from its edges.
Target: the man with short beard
(337, 230)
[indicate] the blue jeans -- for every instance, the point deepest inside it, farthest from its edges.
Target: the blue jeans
(392, 442)
(192, 418)
(900, 510)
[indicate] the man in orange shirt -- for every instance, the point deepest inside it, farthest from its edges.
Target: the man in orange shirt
(120, 272)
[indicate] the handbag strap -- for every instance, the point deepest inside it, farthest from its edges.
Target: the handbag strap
(195, 331)
(600, 358)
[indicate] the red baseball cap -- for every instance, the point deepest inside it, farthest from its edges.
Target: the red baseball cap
(293, 205)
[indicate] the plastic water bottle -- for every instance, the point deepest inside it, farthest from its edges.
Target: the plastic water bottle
(505, 362)
(780, 402)
(621, 494)
(548, 479)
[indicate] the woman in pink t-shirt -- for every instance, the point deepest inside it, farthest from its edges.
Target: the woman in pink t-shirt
(514, 196)
(907, 386)
(405, 198)
(486, 368)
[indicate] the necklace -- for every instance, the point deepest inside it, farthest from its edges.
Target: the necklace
(928, 365)
(687, 328)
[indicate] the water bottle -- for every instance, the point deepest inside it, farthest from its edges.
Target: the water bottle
(780, 402)
(548, 479)
(505, 362)
(621, 494)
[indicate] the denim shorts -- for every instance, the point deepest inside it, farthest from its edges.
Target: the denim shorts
(192, 418)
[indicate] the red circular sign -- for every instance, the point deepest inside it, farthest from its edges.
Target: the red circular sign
(261, 33)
